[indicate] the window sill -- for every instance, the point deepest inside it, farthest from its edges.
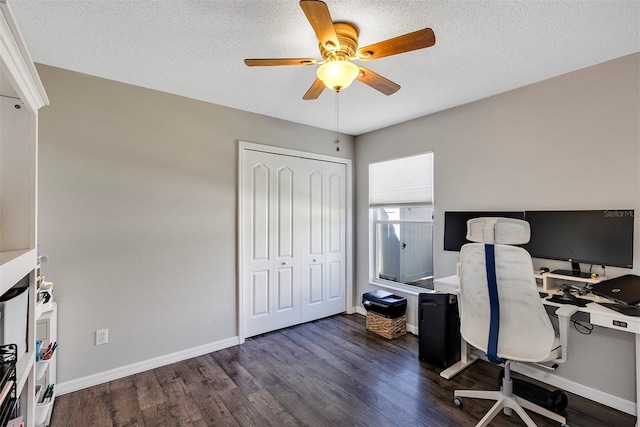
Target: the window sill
(399, 287)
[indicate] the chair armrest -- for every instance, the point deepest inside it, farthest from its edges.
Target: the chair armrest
(566, 310)
(564, 314)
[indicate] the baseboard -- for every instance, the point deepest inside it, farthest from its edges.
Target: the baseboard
(412, 329)
(360, 310)
(576, 388)
(135, 368)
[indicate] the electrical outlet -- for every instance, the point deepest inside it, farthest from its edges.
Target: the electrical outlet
(102, 336)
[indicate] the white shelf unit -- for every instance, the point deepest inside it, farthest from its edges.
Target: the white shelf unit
(47, 332)
(551, 282)
(21, 96)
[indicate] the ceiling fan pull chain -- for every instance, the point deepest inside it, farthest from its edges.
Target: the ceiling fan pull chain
(337, 141)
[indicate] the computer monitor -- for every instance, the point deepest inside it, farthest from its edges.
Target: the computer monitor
(601, 237)
(455, 225)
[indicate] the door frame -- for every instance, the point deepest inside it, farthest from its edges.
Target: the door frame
(242, 146)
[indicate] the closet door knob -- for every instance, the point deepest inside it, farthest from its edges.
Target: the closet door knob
(284, 263)
(314, 260)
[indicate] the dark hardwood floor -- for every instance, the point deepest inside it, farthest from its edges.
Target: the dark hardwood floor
(330, 372)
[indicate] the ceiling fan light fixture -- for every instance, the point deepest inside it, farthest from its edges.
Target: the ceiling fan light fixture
(338, 74)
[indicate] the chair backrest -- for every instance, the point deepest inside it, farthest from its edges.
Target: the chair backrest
(525, 332)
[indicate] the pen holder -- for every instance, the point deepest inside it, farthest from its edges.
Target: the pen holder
(41, 368)
(43, 410)
(38, 392)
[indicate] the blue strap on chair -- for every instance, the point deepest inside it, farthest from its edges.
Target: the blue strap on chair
(494, 323)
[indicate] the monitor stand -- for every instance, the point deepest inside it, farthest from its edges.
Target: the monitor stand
(572, 273)
(575, 271)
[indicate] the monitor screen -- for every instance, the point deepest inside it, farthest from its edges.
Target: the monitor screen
(601, 237)
(455, 226)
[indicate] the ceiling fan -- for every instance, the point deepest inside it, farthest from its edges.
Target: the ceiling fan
(338, 44)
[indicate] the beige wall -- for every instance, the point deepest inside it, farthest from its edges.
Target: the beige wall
(572, 142)
(137, 212)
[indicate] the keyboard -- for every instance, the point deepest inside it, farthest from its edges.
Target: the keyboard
(559, 299)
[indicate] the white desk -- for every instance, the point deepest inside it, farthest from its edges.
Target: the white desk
(599, 315)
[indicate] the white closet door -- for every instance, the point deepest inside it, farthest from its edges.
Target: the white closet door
(257, 274)
(286, 224)
(312, 241)
(270, 276)
(294, 252)
(335, 238)
(322, 242)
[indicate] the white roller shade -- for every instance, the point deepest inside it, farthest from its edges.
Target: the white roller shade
(405, 181)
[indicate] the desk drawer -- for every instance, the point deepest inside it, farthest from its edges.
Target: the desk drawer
(619, 322)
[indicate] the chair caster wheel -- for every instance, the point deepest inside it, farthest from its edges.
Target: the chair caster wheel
(457, 401)
(557, 401)
(564, 425)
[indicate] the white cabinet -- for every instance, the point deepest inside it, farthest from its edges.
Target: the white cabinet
(294, 225)
(21, 96)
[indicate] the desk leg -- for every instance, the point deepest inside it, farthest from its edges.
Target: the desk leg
(637, 379)
(466, 359)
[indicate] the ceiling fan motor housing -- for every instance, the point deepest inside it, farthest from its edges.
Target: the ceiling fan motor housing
(348, 38)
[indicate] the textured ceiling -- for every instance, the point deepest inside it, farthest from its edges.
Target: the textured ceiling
(196, 49)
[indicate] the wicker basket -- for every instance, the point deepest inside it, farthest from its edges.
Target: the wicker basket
(386, 327)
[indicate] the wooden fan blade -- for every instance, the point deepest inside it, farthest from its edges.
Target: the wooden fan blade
(377, 82)
(279, 61)
(314, 91)
(319, 17)
(405, 43)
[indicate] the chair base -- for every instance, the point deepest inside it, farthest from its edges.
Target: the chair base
(556, 400)
(503, 401)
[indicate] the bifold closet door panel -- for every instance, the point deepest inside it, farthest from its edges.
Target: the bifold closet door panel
(271, 275)
(312, 244)
(257, 274)
(286, 226)
(335, 258)
(323, 241)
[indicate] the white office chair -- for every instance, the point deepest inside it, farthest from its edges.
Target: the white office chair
(501, 312)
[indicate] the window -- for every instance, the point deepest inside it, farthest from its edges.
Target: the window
(401, 215)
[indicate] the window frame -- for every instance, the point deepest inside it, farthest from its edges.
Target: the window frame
(373, 237)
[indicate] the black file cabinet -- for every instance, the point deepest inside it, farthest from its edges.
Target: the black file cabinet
(438, 329)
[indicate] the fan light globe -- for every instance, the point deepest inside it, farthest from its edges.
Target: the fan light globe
(337, 74)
